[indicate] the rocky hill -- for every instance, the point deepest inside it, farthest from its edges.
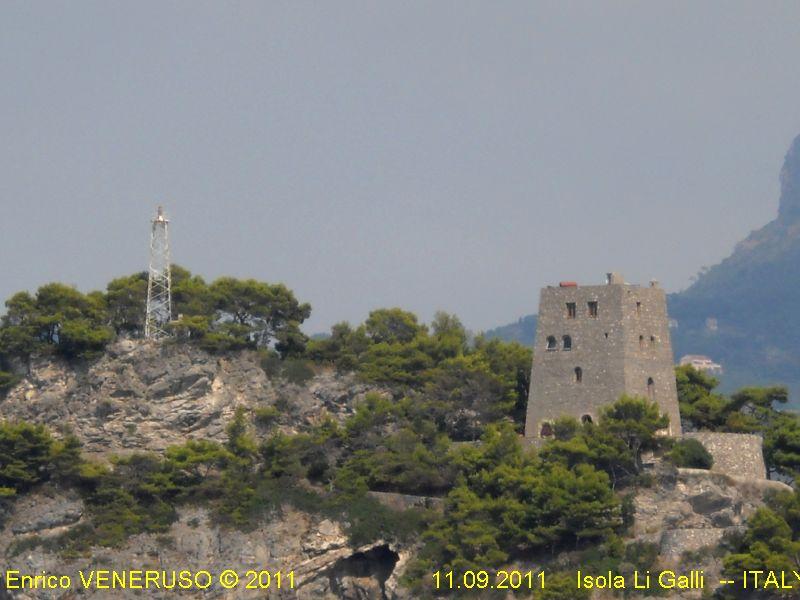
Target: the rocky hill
(141, 396)
(685, 517)
(146, 396)
(523, 330)
(325, 565)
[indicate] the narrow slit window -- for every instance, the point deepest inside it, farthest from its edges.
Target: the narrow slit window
(578, 375)
(638, 308)
(641, 342)
(551, 343)
(651, 388)
(652, 340)
(567, 343)
(592, 308)
(572, 310)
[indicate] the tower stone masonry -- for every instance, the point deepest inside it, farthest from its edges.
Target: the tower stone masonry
(595, 343)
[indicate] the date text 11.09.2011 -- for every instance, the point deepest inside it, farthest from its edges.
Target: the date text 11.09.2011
(488, 580)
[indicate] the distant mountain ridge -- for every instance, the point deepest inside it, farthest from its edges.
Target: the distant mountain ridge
(752, 298)
(522, 331)
(745, 311)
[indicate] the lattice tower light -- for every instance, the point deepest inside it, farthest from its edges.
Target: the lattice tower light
(159, 294)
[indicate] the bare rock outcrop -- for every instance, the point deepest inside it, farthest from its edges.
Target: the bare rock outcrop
(322, 563)
(688, 513)
(143, 396)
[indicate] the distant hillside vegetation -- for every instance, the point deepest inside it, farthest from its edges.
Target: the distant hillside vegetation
(522, 331)
(743, 312)
(754, 296)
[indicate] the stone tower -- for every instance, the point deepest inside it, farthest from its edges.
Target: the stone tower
(595, 343)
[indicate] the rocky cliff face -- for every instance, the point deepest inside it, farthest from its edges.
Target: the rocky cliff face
(142, 396)
(324, 565)
(145, 397)
(685, 519)
(688, 512)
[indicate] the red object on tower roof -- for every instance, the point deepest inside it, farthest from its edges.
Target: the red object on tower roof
(567, 284)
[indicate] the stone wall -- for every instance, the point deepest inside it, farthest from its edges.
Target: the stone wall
(735, 454)
(407, 501)
(648, 350)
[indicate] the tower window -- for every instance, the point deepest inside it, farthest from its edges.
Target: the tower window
(651, 388)
(567, 343)
(641, 342)
(578, 374)
(551, 343)
(652, 340)
(638, 308)
(572, 310)
(592, 308)
(586, 419)
(606, 334)
(547, 430)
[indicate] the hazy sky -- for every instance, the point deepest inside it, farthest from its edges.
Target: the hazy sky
(437, 155)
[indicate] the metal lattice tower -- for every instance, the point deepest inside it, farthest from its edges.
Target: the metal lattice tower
(159, 294)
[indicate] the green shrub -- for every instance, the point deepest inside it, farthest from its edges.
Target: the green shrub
(560, 586)
(25, 454)
(643, 555)
(297, 371)
(369, 521)
(690, 453)
(7, 381)
(23, 544)
(219, 343)
(104, 408)
(293, 370)
(266, 415)
(628, 510)
(270, 362)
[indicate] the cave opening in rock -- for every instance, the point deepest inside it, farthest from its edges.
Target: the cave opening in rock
(356, 571)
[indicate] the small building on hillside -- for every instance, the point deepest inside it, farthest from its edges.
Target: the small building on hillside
(702, 363)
